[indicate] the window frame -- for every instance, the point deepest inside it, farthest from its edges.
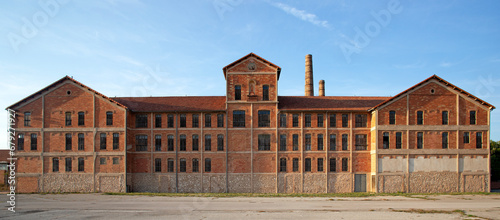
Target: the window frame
(264, 142)
(466, 137)
(55, 164)
(141, 142)
(141, 121)
(220, 142)
(307, 120)
(444, 140)
(220, 120)
(265, 93)
(320, 120)
(208, 120)
(182, 120)
(479, 140)
(333, 165)
(307, 142)
(307, 164)
(239, 118)
(68, 141)
(182, 142)
(158, 120)
(361, 141)
(282, 142)
(345, 142)
(195, 142)
(34, 141)
(295, 120)
(282, 165)
(102, 141)
(473, 117)
(157, 165)
(158, 142)
(320, 142)
(208, 142)
(27, 119)
(386, 140)
(399, 140)
(392, 117)
(420, 117)
(295, 164)
(283, 120)
(116, 141)
(444, 117)
(68, 164)
(81, 118)
(237, 92)
(333, 120)
(195, 120)
(345, 120)
(81, 164)
(67, 118)
(361, 121)
(109, 118)
(264, 118)
(208, 165)
(333, 142)
(420, 140)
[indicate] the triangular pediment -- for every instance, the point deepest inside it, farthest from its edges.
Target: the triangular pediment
(251, 63)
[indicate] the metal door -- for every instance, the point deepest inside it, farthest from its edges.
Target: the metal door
(360, 183)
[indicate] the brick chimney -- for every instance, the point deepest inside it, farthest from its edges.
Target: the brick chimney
(322, 88)
(309, 89)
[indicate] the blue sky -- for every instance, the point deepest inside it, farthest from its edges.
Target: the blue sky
(167, 48)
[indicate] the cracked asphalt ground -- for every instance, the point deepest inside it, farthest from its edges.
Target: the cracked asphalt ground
(90, 206)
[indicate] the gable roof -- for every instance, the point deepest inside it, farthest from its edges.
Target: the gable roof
(57, 83)
(224, 69)
(174, 103)
(446, 83)
(328, 103)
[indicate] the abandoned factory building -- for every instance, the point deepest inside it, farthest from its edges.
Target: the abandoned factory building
(432, 137)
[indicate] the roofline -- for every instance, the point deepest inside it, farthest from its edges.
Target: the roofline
(224, 69)
(58, 82)
(491, 107)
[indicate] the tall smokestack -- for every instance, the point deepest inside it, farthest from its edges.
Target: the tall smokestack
(309, 90)
(322, 88)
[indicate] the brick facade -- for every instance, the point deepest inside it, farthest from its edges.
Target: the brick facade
(252, 140)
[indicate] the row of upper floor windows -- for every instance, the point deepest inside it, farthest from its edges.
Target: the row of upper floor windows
(69, 141)
(195, 165)
(444, 117)
(420, 140)
(265, 92)
(68, 118)
(68, 162)
(141, 120)
(319, 166)
(141, 142)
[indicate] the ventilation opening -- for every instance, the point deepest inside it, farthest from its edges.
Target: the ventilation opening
(68, 92)
(432, 91)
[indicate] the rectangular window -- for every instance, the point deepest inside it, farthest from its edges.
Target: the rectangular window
(295, 164)
(116, 141)
(345, 166)
(55, 164)
(333, 142)
(141, 143)
(320, 164)
(81, 118)
(182, 121)
(420, 140)
(34, 142)
(220, 120)
(360, 121)
(264, 141)
(208, 165)
(282, 142)
(307, 120)
(109, 118)
(182, 165)
(81, 164)
(385, 140)
(195, 165)
(158, 142)
(265, 93)
(398, 140)
(20, 142)
(320, 120)
(69, 165)
(320, 142)
(345, 120)
(170, 165)
(472, 117)
(264, 118)
(158, 121)
(208, 120)
(208, 142)
(195, 142)
(220, 142)
(27, 119)
(103, 141)
(295, 120)
(307, 165)
(141, 121)
(444, 117)
(195, 120)
(158, 165)
(81, 141)
(333, 165)
(466, 138)
(295, 141)
(361, 142)
(170, 143)
(170, 121)
(392, 117)
(239, 119)
(69, 141)
(308, 142)
(68, 118)
(282, 164)
(115, 160)
(102, 160)
(333, 120)
(479, 140)
(444, 140)
(182, 142)
(283, 120)
(420, 118)
(237, 92)
(345, 142)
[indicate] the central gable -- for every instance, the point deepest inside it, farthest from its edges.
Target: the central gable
(251, 63)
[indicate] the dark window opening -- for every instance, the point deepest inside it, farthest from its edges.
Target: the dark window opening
(182, 122)
(182, 165)
(68, 118)
(157, 164)
(333, 120)
(264, 142)
(116, 141)
(141, 143)
(282, 164)
(34, 143)
(466, 138)
(208, 142)
(307, 165)
(282, 142)
(220, 120)
(333, 142)
(472, 117)
(170, 121)
(283, 120)
(264, 118)
(444, 117)
(81, 164)
(157, 142)
(208, 165)
(420, 140)
(27, 119)
(295, 120)
(385, 140)
(141, 121)
(307, 119)
(69, 140)
(392, 117)
(479, 140)
(237, 92)
(308, 142)
(360, 121)
(333, 165)
(170, 165)
(220, 142)
(398, 140)
(182, 142)
(345, 120)
(68, 164)
(195, 165)
(55, 164)
(195, 142)
(195, 121)
(445, 140)
(103, 141)
(208, 120)
(295, 164)
(320, 120)
(295, 141)
(20, 142)
(320, 142)
(420, 117)
(238, 118)
(81, 118)
(109, 118)
(345, 142)
(158, 120)
(170, 143)
(361, 142)
(265, 93)
(345, 166)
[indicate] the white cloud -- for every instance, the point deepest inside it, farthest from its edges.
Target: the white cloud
(301, 14)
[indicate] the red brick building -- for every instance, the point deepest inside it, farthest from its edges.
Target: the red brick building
(433, 137)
